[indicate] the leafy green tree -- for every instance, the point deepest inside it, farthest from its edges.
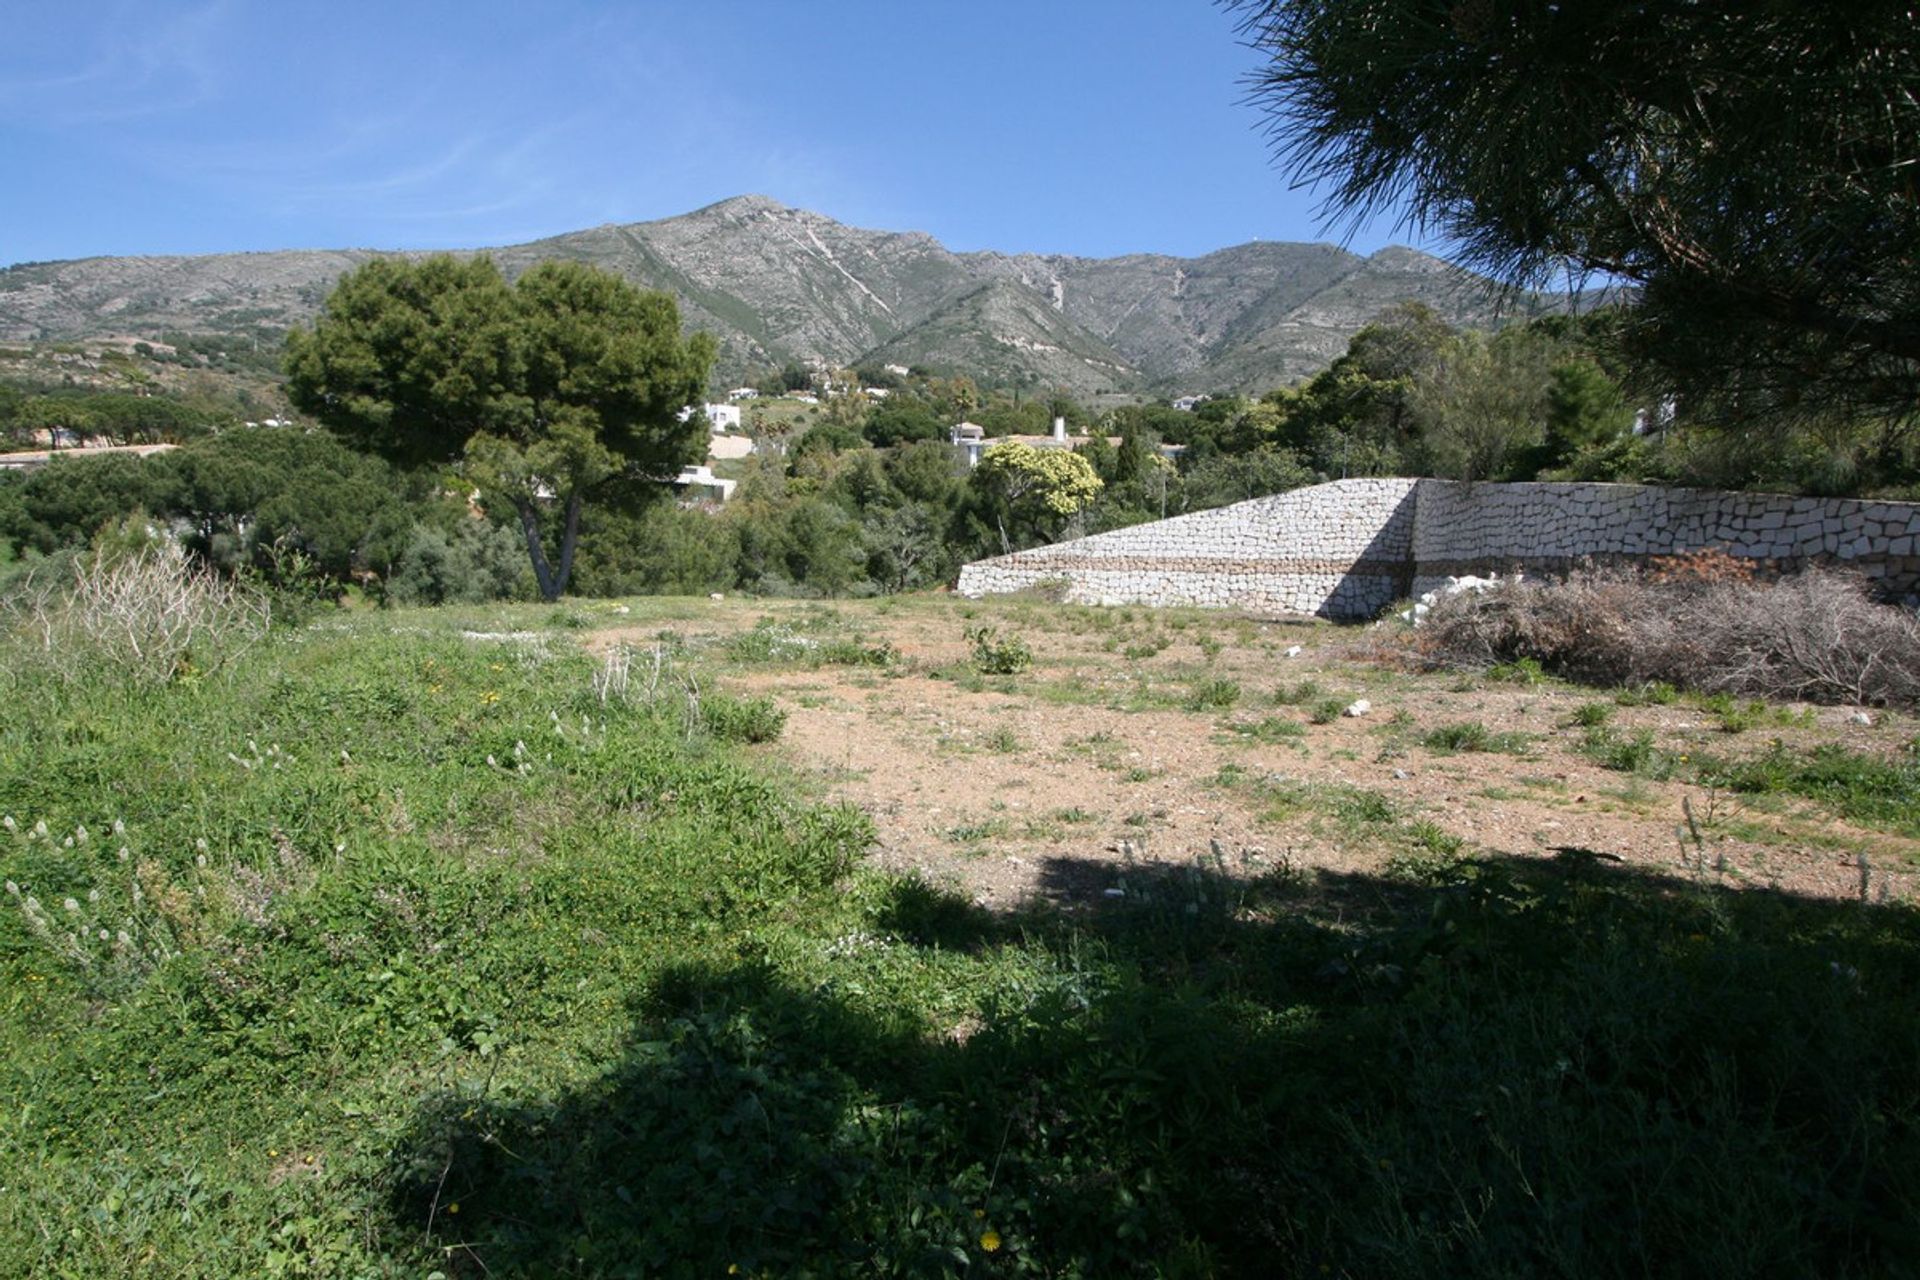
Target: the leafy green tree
(558, 390)
(1747, 166)
(662, 549)
(905, 548)
(1585, 411)
(924, 472)
(823, 548)
(901, 421)
(1235, 477)
(474, 562)
(66, 502)
(1483, 406)
(251, 493)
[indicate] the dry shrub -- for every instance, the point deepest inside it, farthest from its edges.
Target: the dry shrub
(147, 616)
(1816, 636)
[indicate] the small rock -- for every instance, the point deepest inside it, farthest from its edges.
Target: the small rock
(716, 596)
(1293, 651)
(1114, 893)
(1860, 717)
(1401, 775)
(1358, 708)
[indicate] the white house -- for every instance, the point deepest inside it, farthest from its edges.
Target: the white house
(743, 393)
(1187, 404)
(699, 484)
(720, 417)
(970, 438)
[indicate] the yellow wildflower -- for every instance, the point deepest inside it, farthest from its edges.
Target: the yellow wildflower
(990, 1240)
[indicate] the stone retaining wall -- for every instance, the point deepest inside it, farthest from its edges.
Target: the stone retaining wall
(1349, 548)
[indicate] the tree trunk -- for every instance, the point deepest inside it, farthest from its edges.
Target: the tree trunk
(569, 538)
(542, 573)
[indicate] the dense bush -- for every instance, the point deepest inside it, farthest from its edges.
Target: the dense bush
(1701, 624)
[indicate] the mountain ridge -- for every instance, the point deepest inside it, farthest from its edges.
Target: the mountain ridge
(776, 283)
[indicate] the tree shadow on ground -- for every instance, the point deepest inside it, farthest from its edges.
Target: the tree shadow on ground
(1508, 1068)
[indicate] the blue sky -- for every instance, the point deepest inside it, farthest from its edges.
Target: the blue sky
(1093, 127)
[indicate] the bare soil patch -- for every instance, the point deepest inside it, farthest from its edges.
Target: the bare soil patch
(1141, 740)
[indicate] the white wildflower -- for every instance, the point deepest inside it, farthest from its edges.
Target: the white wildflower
(13, 888)
(67, 843)
(40, 829)
(71, 905)
(125, 853)
(33, 903)
(80, 834)
(104, 935)
(122, 938)
(200, 860)
(492, 763)
(10, 824)
(201, 844)
(119, 827)
(93, 895)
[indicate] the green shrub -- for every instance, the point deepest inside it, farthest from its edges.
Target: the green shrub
(1327, 710)
(1215, 694)
(1474, 736)
(997, 656)
(742, 719)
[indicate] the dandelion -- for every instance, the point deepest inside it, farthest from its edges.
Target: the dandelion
(200, 860)
(103, 935)
(125, 853)
(122, 938)
(454, 1207)
(11, 826)
(67, 843)
(201, 844)
(33, 904)
(80, 834)
(93, 895)
(71, 905)
(40, 829)
(990, 1240)
(119, 827)
(13, 888)
(492, 763)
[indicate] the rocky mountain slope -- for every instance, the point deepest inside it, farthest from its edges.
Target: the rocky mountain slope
(776, 283)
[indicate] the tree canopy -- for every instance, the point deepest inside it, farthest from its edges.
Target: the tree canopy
(1750, 166)
(560, 388)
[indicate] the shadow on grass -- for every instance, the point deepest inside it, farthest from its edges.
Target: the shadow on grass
(1516, 1068)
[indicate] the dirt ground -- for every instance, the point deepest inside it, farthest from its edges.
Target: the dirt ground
(1142, 738)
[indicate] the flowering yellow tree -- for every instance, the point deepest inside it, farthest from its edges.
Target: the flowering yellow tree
(1042, 488)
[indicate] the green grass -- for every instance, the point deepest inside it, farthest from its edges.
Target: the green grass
(1473, 736)
(485, 974)
(1874, 791)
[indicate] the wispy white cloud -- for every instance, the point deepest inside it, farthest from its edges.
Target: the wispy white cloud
(133, 63)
